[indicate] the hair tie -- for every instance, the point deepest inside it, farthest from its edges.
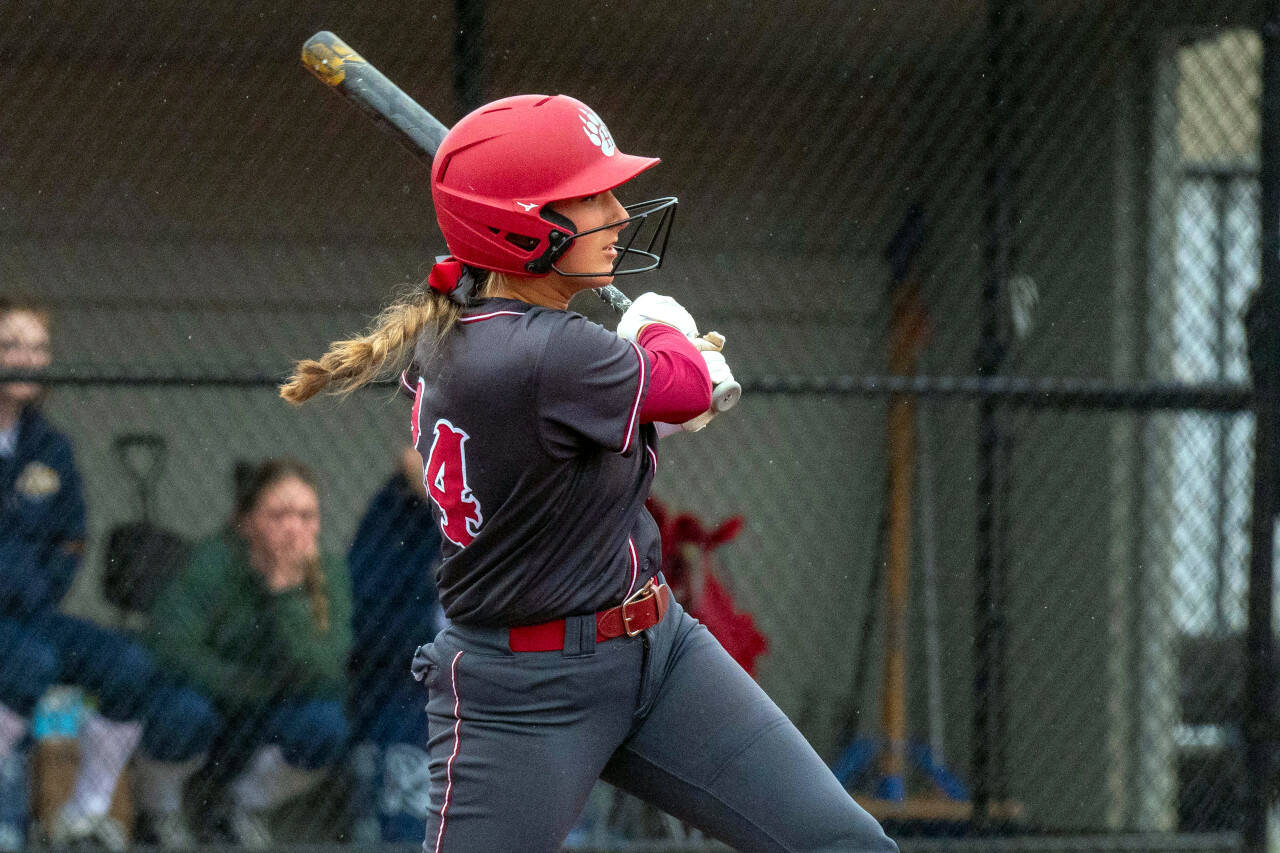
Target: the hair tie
(445, 275)
(453, 278)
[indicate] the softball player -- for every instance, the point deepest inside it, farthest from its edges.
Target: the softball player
(566, 659)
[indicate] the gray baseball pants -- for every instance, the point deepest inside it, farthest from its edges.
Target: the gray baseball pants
(517, 740)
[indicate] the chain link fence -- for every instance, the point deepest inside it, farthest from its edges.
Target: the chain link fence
(982, 268)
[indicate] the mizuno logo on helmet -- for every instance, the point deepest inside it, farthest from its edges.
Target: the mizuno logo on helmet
(527, 205)
(596, 131)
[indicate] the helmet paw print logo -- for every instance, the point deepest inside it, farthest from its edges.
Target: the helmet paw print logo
(597, 132)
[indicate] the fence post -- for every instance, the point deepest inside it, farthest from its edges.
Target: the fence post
(1264, 357)
(1005, 21)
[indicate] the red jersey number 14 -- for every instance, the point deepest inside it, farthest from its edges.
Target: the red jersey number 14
(446, 479)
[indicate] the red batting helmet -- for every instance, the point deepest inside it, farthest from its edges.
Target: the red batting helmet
(501, 165)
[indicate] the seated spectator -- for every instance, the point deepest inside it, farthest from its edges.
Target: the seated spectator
(252, 637)
(42, 532)
(396, 609)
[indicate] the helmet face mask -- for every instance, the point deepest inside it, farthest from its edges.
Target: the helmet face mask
(501, 167)
(631, 259)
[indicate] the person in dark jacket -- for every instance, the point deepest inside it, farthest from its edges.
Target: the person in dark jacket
(42, 535)
(254, 635)
(396, 609)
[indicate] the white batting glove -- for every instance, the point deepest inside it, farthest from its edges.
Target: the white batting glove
(718, 368)
(652, 308)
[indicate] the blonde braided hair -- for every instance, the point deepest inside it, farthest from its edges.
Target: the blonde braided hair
(354, 362)
(385, 349)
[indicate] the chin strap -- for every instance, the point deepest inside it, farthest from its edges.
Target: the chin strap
(454, 279)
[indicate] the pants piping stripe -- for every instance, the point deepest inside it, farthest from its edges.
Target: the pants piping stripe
(457, 742)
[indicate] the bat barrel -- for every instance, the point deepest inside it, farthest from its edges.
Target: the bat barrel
(339, 67)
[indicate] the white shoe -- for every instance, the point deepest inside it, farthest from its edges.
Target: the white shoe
(250, 829)
(103, 830)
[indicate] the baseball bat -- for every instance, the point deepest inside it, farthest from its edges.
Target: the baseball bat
(334, 63)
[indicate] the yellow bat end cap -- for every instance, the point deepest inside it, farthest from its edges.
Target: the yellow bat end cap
(326, 59)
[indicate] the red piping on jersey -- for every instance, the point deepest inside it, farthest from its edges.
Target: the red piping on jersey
(457, 742)
(475, 318)
(680, 388)
(404, 382)
(415, 421)
(635, 567)
(635, 404)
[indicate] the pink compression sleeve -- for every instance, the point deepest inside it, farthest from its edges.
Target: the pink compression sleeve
(680, 387)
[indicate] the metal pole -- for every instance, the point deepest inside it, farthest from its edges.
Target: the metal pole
(468, 54)
(1004, 18)
(1264, 356)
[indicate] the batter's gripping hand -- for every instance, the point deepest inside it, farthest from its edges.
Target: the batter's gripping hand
(716, 365)
(710, 346)
(652, 308)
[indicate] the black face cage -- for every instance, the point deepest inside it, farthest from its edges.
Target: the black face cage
(630, 258)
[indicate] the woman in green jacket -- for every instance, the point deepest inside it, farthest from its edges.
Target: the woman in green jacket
(255, 632)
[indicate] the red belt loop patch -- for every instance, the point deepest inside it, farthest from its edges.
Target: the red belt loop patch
(538, 638)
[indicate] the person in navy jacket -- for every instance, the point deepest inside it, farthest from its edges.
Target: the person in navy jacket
(42, 536)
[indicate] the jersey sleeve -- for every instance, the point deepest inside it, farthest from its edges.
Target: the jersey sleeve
(680, 387)
(590, 384)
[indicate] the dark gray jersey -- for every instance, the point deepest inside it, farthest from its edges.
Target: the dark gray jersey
(527, 420)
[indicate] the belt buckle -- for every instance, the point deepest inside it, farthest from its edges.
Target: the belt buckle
(640, 596)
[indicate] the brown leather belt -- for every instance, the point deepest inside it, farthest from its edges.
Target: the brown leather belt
(643, 609)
